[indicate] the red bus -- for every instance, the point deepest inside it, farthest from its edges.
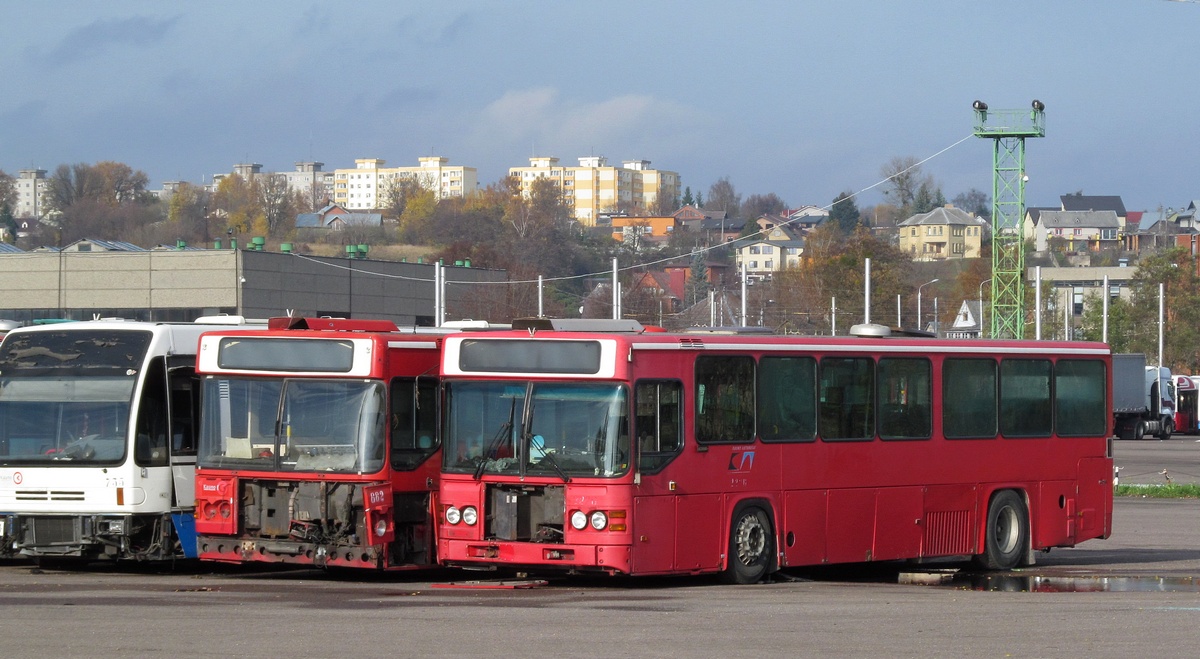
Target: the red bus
(1187, 404)
(318, 444)
(650, 453)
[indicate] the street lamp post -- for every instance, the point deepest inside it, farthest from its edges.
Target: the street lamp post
(931, 281)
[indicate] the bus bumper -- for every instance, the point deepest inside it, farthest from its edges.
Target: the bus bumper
(227, 549)
(92, 537)
(613, 559)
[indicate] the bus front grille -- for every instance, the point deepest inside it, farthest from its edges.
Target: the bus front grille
(53, 530)
(49, 495)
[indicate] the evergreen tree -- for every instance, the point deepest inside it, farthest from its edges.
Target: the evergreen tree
(687, 197)
(844, 213)
(697, 283)
(8, 223)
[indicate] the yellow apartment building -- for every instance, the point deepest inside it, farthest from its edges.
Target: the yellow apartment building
(595, 187)
(942, 233)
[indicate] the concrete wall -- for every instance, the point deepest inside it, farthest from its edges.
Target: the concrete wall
(164, 285)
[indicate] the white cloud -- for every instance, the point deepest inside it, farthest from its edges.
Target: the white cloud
(555, 125)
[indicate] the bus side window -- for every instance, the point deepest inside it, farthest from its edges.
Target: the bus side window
(904, 404)
(1079, 398)
(969, 398)
(1025, 408)
(724, 399)
(658, 424)
(847, 400)
(787, 394)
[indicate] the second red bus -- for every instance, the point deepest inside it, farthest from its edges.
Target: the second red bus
(649, 453)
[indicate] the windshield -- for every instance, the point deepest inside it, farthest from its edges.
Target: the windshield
(293, 425)
(545, 429)
(65, 396)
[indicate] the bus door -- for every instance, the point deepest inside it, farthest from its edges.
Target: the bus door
(183, 408)
(1187, 406)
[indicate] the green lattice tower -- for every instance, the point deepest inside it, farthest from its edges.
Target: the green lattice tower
(1008, 130)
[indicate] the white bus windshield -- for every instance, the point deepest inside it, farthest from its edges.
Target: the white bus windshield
(293, 425)
(546, 429)
(65, 395)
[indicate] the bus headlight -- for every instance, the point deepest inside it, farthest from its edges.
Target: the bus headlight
(579, 520)
(599, 520)
(470, 515)
(453, 515)
(381, 527)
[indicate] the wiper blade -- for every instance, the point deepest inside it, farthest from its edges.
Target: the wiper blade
(549, 455)
(505, 431)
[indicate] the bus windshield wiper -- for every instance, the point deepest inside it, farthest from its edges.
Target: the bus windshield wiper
(549, 455)
(505, 431)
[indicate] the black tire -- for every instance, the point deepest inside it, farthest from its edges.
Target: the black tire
(1006, 535)
(1139, 430)
(1168, 427)
(751, 546)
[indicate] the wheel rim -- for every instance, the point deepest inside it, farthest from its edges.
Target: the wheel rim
(1007, 530)
(751, 540)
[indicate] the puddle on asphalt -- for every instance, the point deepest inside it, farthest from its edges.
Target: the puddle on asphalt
(1012, 583)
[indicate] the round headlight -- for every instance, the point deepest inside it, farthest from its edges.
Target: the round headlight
(599, 520)
(453, 515)
(381, 527)
(579, 520)
(470, 515)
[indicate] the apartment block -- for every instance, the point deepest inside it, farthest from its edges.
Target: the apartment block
(32, 187)
(366, 186)
(595, 187)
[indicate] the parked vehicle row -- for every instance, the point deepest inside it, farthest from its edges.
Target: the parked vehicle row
(571, 446)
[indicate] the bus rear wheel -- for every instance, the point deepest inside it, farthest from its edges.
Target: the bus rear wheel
(751, 544)
(1007, 532)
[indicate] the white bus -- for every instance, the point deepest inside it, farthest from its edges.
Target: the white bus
(98, 440)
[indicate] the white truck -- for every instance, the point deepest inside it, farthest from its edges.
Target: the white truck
(1143, 398)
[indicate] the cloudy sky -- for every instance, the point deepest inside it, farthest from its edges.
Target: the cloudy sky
(803, 99)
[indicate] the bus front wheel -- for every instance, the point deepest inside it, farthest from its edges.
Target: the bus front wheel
(1007, 532)
(751, 544)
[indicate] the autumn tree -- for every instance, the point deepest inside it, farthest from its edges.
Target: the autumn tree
(1175, 269)
(904, 180)
(722, 196)
(235, 200)
(276, 203)
(975, 202)
(107, 200)
(397, 192)
(187, 213)
(833, 266)
(757, 205)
